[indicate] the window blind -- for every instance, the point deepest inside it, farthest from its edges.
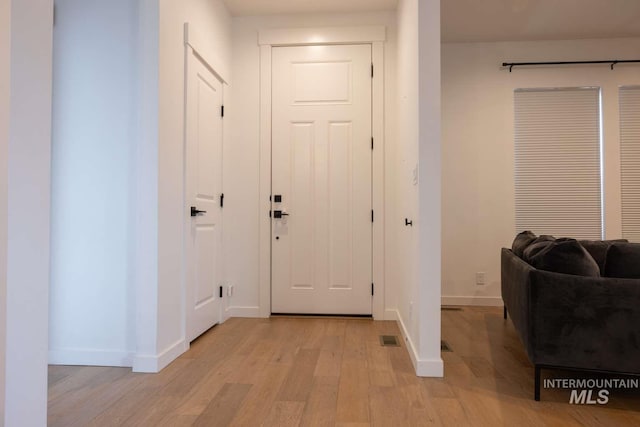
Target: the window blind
(557, 162)
(630, 161)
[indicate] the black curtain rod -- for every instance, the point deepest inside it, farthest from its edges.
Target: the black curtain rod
(610, 61)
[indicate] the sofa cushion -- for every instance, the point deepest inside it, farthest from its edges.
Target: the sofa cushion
(623, 261)
(566, 256)
(521, 242)
(536, 246)
(598, 250)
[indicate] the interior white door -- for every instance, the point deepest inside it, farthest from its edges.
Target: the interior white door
(321, 180)
(203, 190)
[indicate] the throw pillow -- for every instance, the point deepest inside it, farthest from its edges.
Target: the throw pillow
(623, 261)
(598, 250)
(521, 242)
(536, 246)
(566, 256)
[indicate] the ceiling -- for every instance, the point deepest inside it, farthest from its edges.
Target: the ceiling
(487, 20)
(275, 7)
(496, 20)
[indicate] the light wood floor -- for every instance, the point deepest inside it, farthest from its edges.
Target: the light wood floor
(329, 372)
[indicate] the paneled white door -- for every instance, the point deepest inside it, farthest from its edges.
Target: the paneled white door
(321, 180)
(203, 190)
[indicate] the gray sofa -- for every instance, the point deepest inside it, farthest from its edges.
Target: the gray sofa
(571, 321)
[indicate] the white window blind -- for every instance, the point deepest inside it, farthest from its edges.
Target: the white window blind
(557, 162)
(630, 161)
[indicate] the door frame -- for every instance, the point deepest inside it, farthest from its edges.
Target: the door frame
(267, 39)
(195, 44)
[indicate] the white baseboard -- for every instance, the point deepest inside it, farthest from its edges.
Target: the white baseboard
(390, 314)
(226, 315)
(155, 363)
(407, 339)
(473, 300)
(243, 311)
(430, 368)
(423, 367)
(90, 357)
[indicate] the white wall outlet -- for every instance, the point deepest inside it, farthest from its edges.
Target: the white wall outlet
(480, 278)
(230, 290)
(411, 311)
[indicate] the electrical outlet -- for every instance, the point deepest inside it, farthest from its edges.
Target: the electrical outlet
(480, 279)
(230, 290)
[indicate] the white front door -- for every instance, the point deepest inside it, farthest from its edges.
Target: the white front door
(203, 190)
(321, 180)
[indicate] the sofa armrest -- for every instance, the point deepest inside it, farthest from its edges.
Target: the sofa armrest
(585, 322)
(515, 286)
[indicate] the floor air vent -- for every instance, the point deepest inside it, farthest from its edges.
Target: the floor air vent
(389, 341)
(444, 346)
(449, 308)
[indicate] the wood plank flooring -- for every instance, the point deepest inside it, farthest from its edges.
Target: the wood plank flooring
(330, 372)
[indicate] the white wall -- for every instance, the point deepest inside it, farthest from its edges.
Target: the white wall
(117, 291)
(430, 171)
(213, 21)
(241, 174)
(94, 122)
(418, 182)
(28, 201)
(477, 158)
(406, 188)
(5, 84)
(145, 252)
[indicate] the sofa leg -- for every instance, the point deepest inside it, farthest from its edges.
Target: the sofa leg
(504, 311)
(536, 392)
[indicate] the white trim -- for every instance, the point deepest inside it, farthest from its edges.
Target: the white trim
(391, 314)
(473, 300)
(423, 367)
(430, 368)
(265, 181)
(198, 43)
(244, 311)
(90, 357)
(155, 363)
(378, 178)
(408, 342)
(327, 35)
(374, 35)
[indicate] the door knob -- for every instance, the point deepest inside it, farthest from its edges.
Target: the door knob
(195, 211)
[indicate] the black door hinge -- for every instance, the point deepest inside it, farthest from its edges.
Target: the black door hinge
(372, 143)
(371, 70)
(220, 291)
(371, 215)
(222, 111)
(372, 288)
(222, 200)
